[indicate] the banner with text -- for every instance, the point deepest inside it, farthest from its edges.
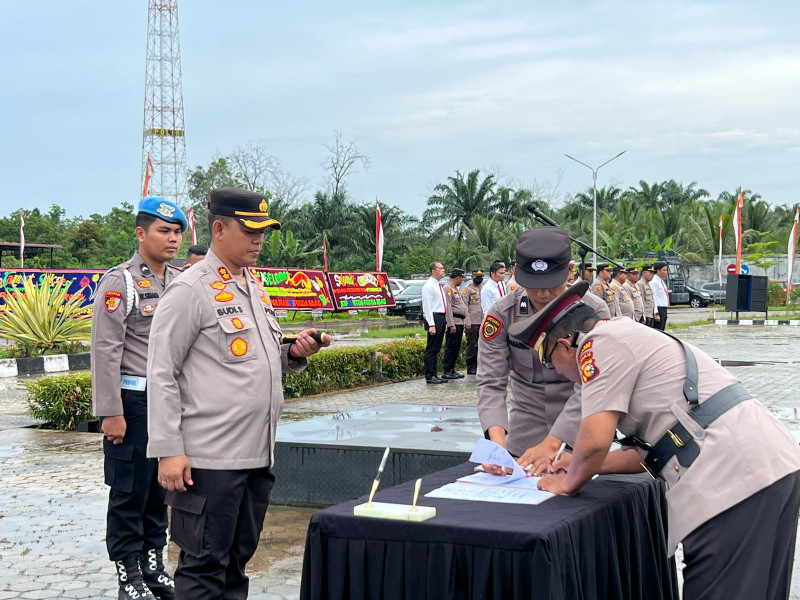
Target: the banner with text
(295, 289)
(363, 290)
(76, 278)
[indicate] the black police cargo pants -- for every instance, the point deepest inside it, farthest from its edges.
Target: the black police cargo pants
(137, 515)
(434, 344)
(471, 351)
(746, 551)
(216, 523)
(452, 347)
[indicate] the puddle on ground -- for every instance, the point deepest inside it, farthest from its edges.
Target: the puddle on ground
(6, 451)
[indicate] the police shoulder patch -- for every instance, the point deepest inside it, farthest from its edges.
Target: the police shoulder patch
(112, 300)
(589, 370)
(491, 327)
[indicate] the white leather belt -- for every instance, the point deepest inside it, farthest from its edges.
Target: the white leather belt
(131, 382)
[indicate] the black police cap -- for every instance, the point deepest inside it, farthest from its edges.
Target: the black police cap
(251, 209)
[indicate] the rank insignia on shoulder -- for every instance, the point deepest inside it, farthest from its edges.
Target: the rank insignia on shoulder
(523, 306)
(144, 269)
(223, 296)
(589, 371)
(144, 283)
(112, 300)
(148, 308)
(217, 285)
(239, 347)
(491, 327)
(223, 272)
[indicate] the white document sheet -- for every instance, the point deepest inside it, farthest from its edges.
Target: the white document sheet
(488, 452)
(504, 494)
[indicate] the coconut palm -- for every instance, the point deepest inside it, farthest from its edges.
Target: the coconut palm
(456, 203)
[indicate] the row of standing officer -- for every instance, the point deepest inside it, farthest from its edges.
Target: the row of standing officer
(624, 292)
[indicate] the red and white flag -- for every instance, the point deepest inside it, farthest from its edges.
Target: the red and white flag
(148, 173)
(325, 251)
(792, 246)
(719, 265)
(378, 236)
(737, 230)
(21, 240)
(193, 226)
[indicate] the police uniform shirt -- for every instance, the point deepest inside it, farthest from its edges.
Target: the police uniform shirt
(456, 305)
(636, 298)
(472, 296)
(602, 290)
(647, 298)
(214, 371)
(542, 401)
(119, 335)
(491, 292)
(623, 299)
(639, 372)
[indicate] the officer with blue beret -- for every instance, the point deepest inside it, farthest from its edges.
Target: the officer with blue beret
(123, 310)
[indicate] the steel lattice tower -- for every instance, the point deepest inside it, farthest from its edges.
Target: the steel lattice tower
(164, 137)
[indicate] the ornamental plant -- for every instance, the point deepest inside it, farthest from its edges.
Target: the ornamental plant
(62, 401)
(40, 317)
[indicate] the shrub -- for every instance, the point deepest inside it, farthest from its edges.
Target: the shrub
(40, 317)
(776, 295)
(61, 401)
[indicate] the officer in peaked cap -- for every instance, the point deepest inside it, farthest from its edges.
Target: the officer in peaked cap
(634, 293)
(126, 300)
(731, 469)
(601, 287)
(472, 296)
(215, 363)
(647, 294)
(544, 406)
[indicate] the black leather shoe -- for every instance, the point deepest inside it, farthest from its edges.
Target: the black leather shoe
(436, 380)
(457, 374)
(472, 371)
(449, 375)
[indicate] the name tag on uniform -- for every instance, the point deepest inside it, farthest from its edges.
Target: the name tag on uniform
(130, 382)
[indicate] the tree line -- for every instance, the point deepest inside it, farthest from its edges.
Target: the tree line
(471, 219)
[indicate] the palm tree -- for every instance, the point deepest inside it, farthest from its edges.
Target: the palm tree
(459, 201)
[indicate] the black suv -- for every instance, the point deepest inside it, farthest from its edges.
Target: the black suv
(408, 303)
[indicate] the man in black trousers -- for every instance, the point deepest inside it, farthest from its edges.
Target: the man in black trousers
(434, 311)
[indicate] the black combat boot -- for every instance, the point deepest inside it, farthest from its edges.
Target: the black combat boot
(129, 577)
(156, 578)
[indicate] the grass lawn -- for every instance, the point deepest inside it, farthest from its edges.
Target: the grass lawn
(296, 316)
(394, 332)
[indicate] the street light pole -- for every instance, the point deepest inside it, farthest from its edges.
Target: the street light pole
(594, 194)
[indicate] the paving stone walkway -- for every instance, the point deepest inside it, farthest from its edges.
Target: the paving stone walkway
(52, 499)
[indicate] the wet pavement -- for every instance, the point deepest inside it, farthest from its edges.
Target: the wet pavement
(52, 497)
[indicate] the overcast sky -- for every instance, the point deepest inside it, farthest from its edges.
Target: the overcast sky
(697, 92)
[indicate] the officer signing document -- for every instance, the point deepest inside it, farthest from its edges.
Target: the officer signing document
(215, 396)
(732, 470)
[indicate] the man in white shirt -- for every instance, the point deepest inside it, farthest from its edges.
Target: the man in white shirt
(660, 295)
(495, 288)
(434, 311)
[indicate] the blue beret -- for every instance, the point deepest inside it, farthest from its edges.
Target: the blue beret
(164, 209)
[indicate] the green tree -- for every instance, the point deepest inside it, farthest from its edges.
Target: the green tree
(459, 201)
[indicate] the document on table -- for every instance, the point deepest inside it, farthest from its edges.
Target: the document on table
(515, 488)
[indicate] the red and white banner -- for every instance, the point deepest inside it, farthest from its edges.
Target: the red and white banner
(21, 240)
(378, 236)
(193, 226)
(737, 230)
(792, 246)
(719, 265)
(148, 174)
(325, 252)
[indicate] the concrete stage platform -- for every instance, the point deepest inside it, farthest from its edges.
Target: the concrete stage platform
(330, 459)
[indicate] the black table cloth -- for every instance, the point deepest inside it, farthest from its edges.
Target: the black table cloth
(607, 542)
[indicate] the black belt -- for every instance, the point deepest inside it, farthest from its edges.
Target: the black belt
(440, 313)
(458, 316)
(678, 441)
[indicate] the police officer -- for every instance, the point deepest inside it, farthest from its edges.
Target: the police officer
(647, 294)
(731, 469)
(126, 301)
(472, 296)
(600, 287)
(544, 405)
(457, 319)
(215, 397)
(634, 293)
(624, 303)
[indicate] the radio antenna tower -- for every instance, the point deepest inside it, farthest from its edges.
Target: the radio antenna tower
(164, 140)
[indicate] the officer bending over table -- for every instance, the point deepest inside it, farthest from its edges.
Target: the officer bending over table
(214, 377)
(731, 468)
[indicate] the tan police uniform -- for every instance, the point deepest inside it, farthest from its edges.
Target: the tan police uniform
(125, 303)
(457, 313)
(647, 300)
(636, 297)
(602, 290)
(456, 316)
(633, 370)
(623, 300)
(472, 298)
(542, 401)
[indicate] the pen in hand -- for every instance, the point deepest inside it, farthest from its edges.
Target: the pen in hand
(558, 456)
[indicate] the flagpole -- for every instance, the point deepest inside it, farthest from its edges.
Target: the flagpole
(21, 240)
(378, 236)
(739, 204)
(719, 262)
(791, 252)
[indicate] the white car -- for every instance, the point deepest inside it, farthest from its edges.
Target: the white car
(397, 285)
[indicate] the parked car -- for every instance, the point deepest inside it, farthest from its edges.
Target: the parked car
(408, 303)
(719, 290)
(698, 297)
(397, 285)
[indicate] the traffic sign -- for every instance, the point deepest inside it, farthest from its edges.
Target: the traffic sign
(745, 269)
(731, 269)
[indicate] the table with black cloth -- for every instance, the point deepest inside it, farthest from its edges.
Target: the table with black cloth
(607, 542)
